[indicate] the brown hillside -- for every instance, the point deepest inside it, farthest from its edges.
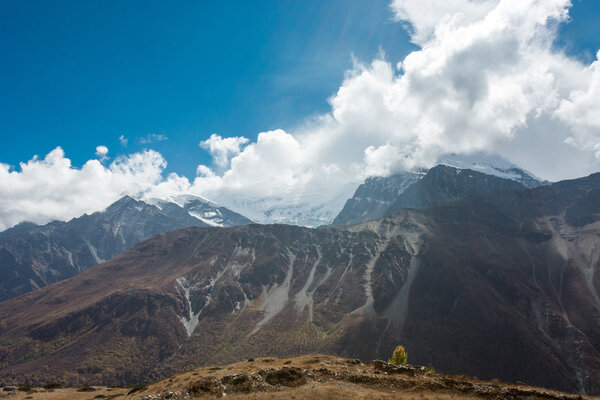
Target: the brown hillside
(308, 377)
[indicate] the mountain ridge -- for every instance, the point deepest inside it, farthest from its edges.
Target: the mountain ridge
(441, 184)
(481, 286)
(32, 256)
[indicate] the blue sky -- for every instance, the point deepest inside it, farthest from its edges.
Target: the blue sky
(80, 74)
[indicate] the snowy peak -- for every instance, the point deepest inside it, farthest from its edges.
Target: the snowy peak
(203, 210)
(492, 164)
(34, 256)
(311, 209)
(454, 177)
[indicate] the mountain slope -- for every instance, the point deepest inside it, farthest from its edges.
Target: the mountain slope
(33, 256)
(501, 285)
(373, 198)
(443, 184)
(376, 197)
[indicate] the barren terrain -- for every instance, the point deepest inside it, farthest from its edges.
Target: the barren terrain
(313, 376)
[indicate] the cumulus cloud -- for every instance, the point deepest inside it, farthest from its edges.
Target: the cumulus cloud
(485, 78)
(424, 17)
(123, 140)
(581, 110)
(203, 170)
(51, 188)
(222, 149)
(101, 152)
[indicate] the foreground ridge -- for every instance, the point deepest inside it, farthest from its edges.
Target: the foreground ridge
(313, 376)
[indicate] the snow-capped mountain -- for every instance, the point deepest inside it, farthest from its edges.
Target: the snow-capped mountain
(311, 210)
(379, 196)
(203, 209)
(356, 203)
(492, 164)
(452, 282)
(33, 256)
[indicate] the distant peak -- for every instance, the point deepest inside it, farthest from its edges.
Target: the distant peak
(181, 200)
(491, 164)
(124, 202)
(126, 199)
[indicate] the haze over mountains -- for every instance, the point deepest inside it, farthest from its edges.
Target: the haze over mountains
(34, 256)
(487, 285)
(317, 209)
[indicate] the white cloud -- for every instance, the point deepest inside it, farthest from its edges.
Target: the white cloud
(123, 140)
(428, 16)
(101, 152)
(222, 149)
(203, 170)
(153, 137)
(485, 75)
(485, 79)
(51, 188)
(581, 110)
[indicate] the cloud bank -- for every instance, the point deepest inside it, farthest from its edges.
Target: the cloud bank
(51, 188)
(486, 78)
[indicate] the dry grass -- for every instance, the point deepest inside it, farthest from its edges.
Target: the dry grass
(327, 377)
(65, 394)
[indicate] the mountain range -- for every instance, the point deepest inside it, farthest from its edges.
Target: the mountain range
(33, 256)
(502, 284)
(371, 199)
(379, 196)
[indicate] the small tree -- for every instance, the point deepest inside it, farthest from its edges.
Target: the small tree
(399, 357)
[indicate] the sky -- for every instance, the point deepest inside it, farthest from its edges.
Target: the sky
(278, 104)
(81, 74)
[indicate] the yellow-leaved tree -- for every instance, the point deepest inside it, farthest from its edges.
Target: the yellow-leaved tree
(399, 357)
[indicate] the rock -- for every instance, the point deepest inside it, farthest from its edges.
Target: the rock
(238, 383)
(393, 369)
(206, 386)
(287, 376)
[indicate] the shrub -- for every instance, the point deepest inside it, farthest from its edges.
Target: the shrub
(399, 357)
(24, 388)
(137, 388)
(52, 385)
